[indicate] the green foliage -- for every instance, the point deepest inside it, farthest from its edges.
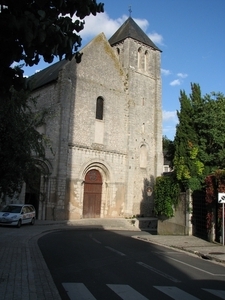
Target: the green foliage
(168, 150)
(166, 196)
(34, 28)
(214, 184)
(199, 142)
(31, 29)
(20, 142)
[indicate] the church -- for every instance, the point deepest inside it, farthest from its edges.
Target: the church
(105, 129)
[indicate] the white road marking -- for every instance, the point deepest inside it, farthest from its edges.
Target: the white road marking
(77, 291)
(96, 241)
(191, 266)
(158, 272)
(175, 293)
(116, 251)
(126, 292)
(218, 293)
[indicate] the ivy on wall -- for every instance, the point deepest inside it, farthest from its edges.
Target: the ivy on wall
(215, 184)
(166, 196)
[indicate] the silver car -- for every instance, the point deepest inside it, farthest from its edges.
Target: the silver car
(17, 214)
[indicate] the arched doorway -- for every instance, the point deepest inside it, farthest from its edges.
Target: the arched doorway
(32, 193)
(36, 192)
(92, 194)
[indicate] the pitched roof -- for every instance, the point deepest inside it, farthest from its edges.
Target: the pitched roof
(47, 75)
(130, 29)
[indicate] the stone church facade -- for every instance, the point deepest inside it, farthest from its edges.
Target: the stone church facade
(105, 129)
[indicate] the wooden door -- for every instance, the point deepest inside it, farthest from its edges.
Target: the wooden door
(92, 194)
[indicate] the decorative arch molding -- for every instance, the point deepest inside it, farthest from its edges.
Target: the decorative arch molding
(144, 144)
(107, 183)
(143, 155)
(45, 166)
(102, 166)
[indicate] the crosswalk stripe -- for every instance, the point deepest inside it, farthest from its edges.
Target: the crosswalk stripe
(77, 291)
(175, 293)
(218, 293)
(126, 292)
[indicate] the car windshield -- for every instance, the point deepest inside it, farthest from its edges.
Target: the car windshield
(12, 209)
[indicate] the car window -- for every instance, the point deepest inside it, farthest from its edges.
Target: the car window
(30, 208)
(12, 209)
(25, 210)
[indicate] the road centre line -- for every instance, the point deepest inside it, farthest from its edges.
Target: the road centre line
(196, 268)
(116, 251)
(96, 241)
(158, 272)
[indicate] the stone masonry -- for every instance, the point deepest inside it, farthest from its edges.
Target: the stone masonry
(124, 147)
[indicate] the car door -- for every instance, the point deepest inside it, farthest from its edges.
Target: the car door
(25, 216)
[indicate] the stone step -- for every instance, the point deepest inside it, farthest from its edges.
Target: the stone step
(146, 224)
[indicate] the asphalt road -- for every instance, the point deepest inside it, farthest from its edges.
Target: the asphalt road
(100, 264)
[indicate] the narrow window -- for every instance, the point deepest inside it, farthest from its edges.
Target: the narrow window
(143, 156)
(139, 58)
(146, 60)
(99, 108)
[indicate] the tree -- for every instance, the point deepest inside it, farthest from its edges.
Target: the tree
(34, 28)
(166, 196)
(199, 142)
(31, 29)
(20, 142)
(168, 150)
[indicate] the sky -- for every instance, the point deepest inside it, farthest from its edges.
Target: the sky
(190, 34)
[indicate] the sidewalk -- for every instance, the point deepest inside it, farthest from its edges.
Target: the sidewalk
(24, 274)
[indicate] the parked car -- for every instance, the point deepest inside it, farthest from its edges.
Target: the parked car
(17, 214)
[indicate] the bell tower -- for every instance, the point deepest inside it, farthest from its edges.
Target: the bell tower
(141, 61)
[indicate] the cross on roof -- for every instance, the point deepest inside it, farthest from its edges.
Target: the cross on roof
(130, 11)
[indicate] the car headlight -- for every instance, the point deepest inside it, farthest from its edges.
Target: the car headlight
(14, 217)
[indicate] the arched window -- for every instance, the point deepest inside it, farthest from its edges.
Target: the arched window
(99, 108)
(143, 156)
(146, 60)
(139, 58)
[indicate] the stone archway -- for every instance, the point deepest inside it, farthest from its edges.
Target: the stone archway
(92, 194)
(37, 187)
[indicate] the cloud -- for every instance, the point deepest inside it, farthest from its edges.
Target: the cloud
(170, 116)
(165, 72)
(175, 82)
(95, 25)
(169, 132)
(182, 75)
(170, 121)
(179, 80)
(156, 38)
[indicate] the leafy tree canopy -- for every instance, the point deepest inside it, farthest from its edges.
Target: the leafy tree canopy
(34, 28)
(31, 29)
(20, 142)
(199, 142)
(168, 150)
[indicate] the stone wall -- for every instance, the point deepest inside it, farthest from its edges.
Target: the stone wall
(125, 146)
(180, 223)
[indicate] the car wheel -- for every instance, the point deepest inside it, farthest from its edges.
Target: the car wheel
(19, 224)
(32, 221)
